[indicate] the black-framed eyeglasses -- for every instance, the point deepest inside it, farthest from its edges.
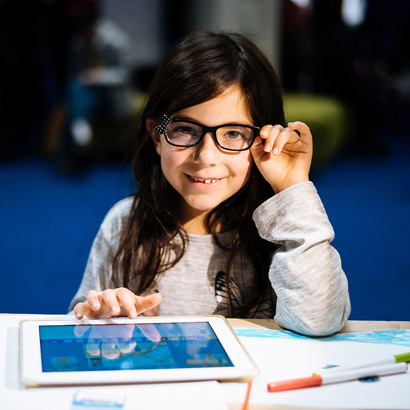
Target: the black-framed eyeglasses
(184, 133)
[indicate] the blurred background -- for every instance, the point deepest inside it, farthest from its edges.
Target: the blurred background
(73, 75)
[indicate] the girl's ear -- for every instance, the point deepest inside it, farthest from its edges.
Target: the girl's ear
(156, 138)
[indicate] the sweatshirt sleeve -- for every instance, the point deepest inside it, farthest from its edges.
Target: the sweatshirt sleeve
(306, 272)
(98, 272)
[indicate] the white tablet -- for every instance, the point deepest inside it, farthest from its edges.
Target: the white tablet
(121, 350)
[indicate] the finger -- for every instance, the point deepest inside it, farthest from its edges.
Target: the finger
(302, 128)
(257, 149)
(145, 303)
(127, 301)
(109, 297)
(154, 311)
(264, 132)
(270, 133)
(81, 309)
(286, 135)
(93, 300)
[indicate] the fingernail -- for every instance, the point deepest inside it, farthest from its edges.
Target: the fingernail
(94, 305)
(132, 314)
(275, 150)
(267, 147)
(115, 310)
(78, 315)
(264, 133)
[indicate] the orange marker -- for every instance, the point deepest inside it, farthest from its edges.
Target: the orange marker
(337, 377)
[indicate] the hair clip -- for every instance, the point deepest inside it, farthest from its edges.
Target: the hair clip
(161, 127)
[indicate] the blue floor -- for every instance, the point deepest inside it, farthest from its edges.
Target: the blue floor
(48, 222)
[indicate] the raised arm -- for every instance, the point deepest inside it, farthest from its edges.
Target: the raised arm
(306, 272)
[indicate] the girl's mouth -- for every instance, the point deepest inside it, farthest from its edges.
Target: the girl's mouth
(204, 180)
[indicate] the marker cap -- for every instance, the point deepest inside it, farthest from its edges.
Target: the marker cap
(404, 357)
(311, 381)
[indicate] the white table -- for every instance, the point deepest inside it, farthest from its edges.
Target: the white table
(14, 396)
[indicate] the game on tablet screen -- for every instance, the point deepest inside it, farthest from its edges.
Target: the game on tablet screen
(130, 347)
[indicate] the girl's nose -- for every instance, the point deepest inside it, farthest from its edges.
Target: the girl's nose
(207, 150)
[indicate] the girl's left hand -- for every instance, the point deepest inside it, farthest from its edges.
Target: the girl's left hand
(283, 158)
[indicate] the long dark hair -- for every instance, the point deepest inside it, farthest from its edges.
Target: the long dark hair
(199, 69)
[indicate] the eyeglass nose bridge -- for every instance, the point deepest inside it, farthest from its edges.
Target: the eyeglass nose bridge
(208, 130)
(213, 130)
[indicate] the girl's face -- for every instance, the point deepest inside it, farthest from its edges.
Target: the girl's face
(206, 175)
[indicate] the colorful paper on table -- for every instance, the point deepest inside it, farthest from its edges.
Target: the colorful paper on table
(396, 337)
(282, 355)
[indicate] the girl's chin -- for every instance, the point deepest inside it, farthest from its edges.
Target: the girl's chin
(200, 207)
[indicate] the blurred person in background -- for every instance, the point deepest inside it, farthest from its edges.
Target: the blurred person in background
(97, 89)
(363, 63)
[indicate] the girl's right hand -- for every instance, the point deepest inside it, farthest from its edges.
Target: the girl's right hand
(117, 302)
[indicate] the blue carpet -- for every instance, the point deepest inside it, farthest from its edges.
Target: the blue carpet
(48, 222)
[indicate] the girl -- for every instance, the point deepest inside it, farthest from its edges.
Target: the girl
(225, 220)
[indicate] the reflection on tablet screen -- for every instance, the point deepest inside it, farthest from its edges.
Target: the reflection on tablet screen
(130, 347)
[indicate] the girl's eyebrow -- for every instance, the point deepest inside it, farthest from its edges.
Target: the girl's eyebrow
(187, 118)
(184, 117)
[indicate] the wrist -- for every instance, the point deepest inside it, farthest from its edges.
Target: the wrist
(278, 187)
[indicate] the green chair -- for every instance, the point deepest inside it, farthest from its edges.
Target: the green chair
(328, 119)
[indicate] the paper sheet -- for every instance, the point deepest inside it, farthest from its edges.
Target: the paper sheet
(395, 337)
(281, 358)
(184, 396)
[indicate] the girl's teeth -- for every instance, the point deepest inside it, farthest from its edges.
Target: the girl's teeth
(206, 181)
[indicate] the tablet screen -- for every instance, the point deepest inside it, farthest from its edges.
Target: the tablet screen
(130, 347)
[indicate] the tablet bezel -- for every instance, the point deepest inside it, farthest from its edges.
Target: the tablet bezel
(31, 373)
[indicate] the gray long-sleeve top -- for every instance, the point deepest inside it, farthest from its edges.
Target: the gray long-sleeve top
(309, 288)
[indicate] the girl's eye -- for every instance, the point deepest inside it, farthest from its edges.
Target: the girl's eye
(184, 130)
(234, 135)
